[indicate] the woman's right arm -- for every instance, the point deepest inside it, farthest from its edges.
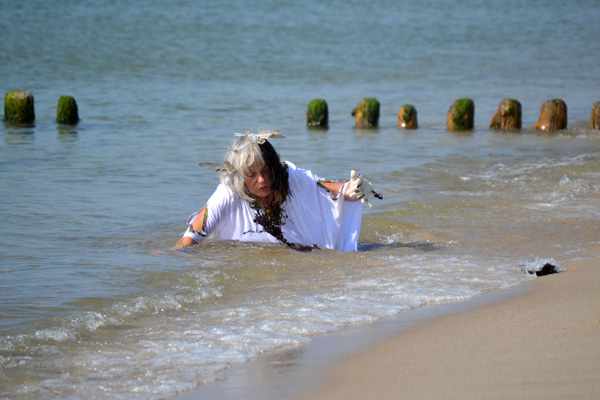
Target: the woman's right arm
(195, 230)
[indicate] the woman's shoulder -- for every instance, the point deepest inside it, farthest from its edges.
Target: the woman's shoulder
(223, 194)
(224, 190)
(299, 176)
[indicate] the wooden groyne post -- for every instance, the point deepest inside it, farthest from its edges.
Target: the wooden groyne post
(407, 117)
(317, 114)
(553, 116)
(19, 108)
(508, 116)
(366, 113)
(595, 117)
(67, 112)
(461, 115)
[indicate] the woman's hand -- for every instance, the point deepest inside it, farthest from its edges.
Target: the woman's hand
(359, 188)
(195, 228)
(184, 242)
(352, 190)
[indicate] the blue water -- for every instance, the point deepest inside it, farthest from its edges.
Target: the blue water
(90, 213)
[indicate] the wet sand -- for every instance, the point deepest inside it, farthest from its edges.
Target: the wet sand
(544, 344)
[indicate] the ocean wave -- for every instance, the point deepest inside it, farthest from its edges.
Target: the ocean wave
(166, 352)
(525, 170)
(120, 313)
(568, 183)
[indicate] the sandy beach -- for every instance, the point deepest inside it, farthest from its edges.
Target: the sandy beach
(541, 345)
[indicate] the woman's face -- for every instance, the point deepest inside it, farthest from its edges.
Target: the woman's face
(258, 182)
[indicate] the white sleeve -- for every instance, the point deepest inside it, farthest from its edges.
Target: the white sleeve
(190, 232)
(302, 177)
(217, 206)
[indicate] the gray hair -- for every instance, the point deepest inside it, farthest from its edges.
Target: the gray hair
(243, 154)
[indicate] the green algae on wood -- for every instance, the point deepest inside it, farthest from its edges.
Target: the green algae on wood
(553, 116)
(67, 112)
(317, 114)
(508, 116)
(366, 113)
(461, 115)
(19, 107)
(595, 118)
(407, 117)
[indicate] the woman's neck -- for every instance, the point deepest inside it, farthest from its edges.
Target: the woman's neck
(266, 202)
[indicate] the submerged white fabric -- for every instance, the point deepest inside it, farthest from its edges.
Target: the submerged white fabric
(313, 217)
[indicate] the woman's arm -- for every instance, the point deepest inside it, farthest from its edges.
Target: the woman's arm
(336, 187)
(205, 221)
(355, 189)
(195, 227)
(333, 187)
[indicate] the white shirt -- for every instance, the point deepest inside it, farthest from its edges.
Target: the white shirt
(313, 217)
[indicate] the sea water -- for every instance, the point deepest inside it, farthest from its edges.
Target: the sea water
(94, 300)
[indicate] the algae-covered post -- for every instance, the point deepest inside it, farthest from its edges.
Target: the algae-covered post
(553, 116)
(461, 115)
(407, 117)
(317, 114)
(67, 112)
(508, 116)
(366, 113)
(595, 118)
(18, 107)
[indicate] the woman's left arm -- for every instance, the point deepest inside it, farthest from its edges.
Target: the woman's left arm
(335, 188)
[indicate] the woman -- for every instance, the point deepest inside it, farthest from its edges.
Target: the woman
(261, 199)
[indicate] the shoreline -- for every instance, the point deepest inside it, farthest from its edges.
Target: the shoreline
(288, 373)
(542, 343)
